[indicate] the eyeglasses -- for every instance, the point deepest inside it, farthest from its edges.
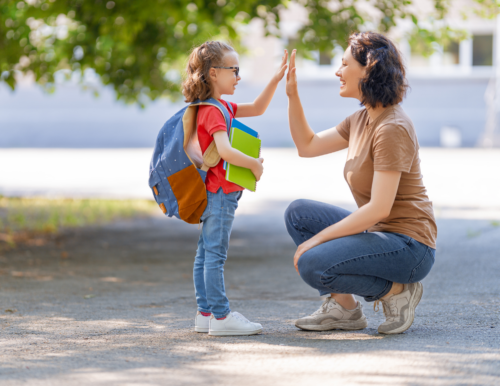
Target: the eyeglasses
(230, 68)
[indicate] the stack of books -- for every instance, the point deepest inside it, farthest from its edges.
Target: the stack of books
(247, 141)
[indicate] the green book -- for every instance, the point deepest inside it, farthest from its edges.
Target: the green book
(250, 146)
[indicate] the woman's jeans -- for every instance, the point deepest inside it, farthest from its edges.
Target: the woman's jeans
(365, 264)
(208, 271)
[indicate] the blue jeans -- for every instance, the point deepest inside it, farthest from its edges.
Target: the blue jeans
(365, 264)
(208, 271)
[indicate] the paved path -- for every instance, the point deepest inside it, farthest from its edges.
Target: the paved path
(115, 305)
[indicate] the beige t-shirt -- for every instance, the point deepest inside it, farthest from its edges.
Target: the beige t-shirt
(389, 143)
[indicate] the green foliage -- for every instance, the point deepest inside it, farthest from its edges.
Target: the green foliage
(137, 47)
(49, 215)
(140, 48)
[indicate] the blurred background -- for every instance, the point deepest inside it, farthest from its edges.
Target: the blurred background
(86, 85)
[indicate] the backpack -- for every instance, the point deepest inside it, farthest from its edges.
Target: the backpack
(178, 168)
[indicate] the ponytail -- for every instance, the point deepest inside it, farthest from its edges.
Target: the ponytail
(197, 84)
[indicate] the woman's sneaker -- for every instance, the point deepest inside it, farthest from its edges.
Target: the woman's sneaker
(331, 316)
(399, 310)
(233, 324)
(201, 323)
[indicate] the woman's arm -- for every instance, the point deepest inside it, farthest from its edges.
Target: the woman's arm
(236, 157)
(260, 104)
(307, 142)
(384, 187)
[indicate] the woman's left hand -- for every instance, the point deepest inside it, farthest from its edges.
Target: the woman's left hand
(303, 248)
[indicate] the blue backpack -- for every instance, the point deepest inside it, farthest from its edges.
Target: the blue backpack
(178, 168)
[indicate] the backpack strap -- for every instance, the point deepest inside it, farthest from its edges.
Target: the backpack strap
(211, 155)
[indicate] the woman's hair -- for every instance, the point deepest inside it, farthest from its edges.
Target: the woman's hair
(197, 84)
(385, 81)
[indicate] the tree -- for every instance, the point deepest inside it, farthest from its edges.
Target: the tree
(139, 47)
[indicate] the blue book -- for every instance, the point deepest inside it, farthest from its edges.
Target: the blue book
(244, 128)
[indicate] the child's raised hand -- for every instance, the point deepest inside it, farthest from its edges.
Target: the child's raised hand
(291, 76)
(258, 169)
(281, 72)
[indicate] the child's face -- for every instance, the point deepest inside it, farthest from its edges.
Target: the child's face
(225, 80)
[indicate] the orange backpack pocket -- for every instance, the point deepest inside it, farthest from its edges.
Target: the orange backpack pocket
(190, 191)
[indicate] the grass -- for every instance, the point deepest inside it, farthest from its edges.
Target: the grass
(21, 217)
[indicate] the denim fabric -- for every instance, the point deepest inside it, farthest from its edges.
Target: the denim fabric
(208, 271)
(365, 264)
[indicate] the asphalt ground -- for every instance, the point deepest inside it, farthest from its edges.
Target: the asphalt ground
(114, 305)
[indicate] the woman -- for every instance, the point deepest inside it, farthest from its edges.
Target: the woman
(385, 248)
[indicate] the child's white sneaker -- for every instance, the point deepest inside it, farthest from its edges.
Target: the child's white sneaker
(233, 324)
(201, 323)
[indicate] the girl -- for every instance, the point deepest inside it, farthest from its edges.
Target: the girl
(212, 71)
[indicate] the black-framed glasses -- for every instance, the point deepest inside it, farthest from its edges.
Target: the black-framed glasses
(229, 68)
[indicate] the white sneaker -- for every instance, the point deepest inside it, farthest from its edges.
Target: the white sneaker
(233, 324)
(201, 323)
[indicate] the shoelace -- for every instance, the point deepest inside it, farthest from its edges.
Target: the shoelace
(388, 306)
(327, 303)
(237, 315)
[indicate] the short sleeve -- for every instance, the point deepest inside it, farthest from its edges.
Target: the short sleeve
(344, 128)
(235, 107)
(211, 119)
(393, 149)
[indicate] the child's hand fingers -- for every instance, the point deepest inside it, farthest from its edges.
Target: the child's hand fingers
(285, 58)
(282, 71)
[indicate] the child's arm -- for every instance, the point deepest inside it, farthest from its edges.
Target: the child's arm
(236, 157)
(259, 105)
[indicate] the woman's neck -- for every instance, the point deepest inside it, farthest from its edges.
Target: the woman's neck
(374, 113)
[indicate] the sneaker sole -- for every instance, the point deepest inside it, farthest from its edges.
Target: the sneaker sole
(339, 325)
(229, 333)
(201, 329)
(414, 300)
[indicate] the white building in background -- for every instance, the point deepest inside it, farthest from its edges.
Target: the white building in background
(471, 58)
(475, 59)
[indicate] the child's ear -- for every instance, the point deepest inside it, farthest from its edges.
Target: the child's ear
(213, 74)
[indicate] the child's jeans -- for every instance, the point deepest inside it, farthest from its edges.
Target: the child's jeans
(208, 272)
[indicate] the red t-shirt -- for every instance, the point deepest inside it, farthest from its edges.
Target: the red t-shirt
(210, 120)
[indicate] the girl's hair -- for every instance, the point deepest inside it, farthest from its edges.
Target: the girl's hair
(197, 84)
(385, 81)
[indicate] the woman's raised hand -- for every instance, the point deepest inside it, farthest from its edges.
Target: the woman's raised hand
(291, 77)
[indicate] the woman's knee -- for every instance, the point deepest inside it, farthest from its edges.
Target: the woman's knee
(294, 209)
(308, 268)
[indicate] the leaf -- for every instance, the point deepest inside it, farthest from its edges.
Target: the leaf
(89, 296)
(10, 310)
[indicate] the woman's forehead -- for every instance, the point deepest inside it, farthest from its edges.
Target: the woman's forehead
(347, 53)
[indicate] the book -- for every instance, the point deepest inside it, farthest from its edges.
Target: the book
(243, 127)
(249, 145)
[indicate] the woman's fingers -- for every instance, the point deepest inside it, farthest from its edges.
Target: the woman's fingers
(292, 59)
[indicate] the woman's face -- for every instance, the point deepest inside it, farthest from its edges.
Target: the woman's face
(225, 80)
(350, 73)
